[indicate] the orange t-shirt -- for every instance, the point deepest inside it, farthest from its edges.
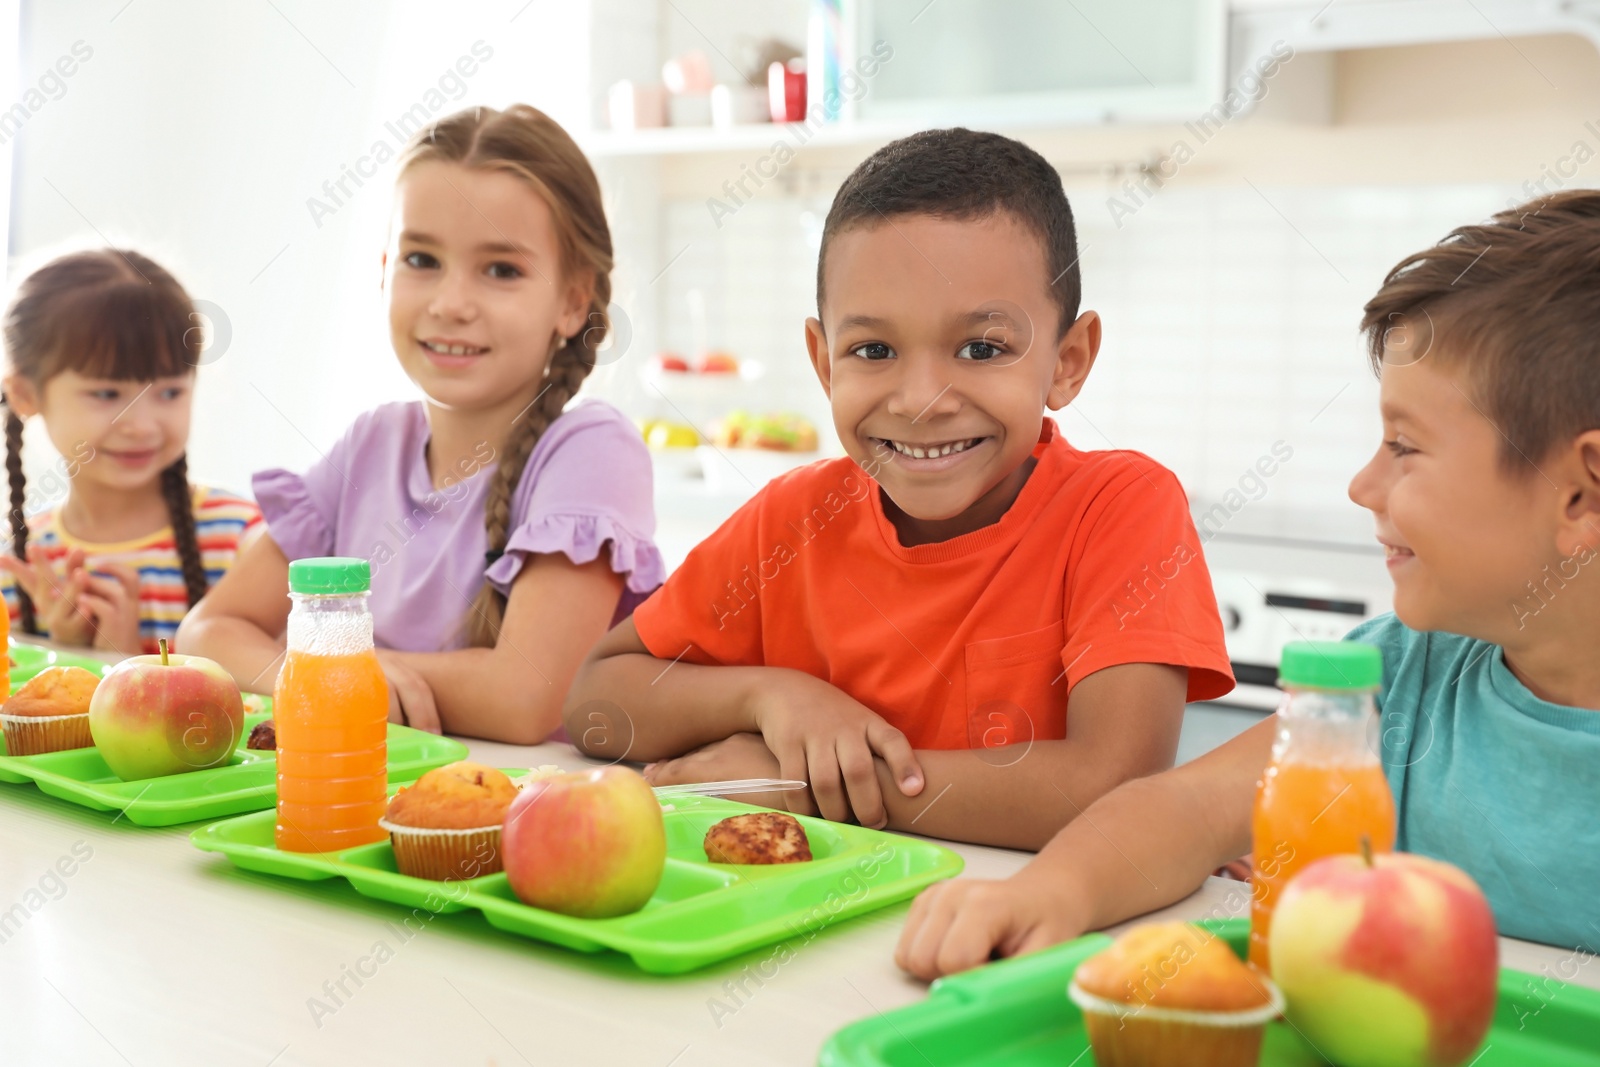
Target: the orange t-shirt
(969, 643)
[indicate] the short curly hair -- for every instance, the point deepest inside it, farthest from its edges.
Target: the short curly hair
(963, 174)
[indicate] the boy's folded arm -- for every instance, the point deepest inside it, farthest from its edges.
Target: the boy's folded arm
(627, 704)
(1144, 845)
(1123, 723)
(1154, 841)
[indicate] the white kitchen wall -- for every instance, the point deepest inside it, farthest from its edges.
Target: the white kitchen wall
(197, 132)
(1230, 320)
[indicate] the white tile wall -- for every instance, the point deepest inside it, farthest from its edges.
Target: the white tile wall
(1231, 323)
(1230, 319)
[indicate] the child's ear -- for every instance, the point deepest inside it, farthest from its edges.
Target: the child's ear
(383, 270)
(817, 346)
(1579, 524)
(21, 397)
(1075, 355)
(575, 311)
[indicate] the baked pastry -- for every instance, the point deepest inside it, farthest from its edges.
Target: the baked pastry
(264, 736)
(1168, 993)
(446, 825)
(49, 712)
(759, 837)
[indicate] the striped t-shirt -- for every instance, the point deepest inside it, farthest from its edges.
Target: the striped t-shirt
(221, 522)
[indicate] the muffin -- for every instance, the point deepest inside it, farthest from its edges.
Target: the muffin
(1167, 993)
(446, 825)
(50, 712)
(759, 837)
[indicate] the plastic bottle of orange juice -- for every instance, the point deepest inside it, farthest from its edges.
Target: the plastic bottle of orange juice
(331, 708)
(1324, 789)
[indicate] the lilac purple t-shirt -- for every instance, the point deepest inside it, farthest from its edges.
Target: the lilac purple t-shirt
(586, 487)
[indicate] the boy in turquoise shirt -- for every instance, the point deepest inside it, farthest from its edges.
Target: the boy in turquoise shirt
(1486, 496)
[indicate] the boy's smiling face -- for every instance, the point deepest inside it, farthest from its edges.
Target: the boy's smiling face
(940, 337)
(1463, 536)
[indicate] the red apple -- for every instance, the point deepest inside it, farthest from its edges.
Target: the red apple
(166, 714)
(1387, 961)
(590, 844)
(671, 361)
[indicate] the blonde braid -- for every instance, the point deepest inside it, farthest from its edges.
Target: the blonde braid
(179, 496)
(569, 366)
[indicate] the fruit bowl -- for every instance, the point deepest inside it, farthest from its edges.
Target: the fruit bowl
(745, 470)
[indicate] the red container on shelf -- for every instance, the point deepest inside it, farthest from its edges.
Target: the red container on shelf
(786, 90)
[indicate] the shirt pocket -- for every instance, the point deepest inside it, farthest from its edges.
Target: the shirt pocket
(1016, 689)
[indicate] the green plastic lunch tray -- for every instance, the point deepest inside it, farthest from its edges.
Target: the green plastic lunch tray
(31, 659)
(1017, 1012)
(702, 912)
(247, 782)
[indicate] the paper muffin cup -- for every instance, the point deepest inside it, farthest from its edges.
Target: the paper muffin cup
(1138, 1035)
(444, 855)
(32, 735)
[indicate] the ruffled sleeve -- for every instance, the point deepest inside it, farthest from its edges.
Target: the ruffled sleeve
(587, 488)
(293, 519)
(302, 510)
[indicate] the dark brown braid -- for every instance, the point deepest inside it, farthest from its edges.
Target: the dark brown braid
(568, 368)
(179, 495)
(19, 521)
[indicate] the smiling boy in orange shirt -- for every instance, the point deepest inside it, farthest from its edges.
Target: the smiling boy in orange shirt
(966, 605)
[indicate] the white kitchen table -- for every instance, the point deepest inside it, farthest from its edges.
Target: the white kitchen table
(153, 953)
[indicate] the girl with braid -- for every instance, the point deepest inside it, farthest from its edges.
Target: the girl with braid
(102, 346)
(507, 527)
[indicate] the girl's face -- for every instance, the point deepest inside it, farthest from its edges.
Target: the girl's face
(121, 434)
(477, 300)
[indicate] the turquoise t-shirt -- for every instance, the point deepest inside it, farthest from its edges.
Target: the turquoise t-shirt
(1492, 779)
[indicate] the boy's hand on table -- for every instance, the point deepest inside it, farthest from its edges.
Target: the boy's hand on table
(821, 736)
(743, 755)
(961, 924)
(54, 594)
(411, 700)
(111, 598)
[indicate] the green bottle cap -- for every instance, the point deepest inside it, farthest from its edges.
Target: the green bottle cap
(1331, 665)
(330, 575)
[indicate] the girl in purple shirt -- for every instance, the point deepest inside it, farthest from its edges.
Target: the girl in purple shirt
(507, 526)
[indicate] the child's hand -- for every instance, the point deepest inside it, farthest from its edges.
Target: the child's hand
(411, 700)
(823, 737)
(964, 923)
(740, 756)
(54, 594)
(111, 598)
